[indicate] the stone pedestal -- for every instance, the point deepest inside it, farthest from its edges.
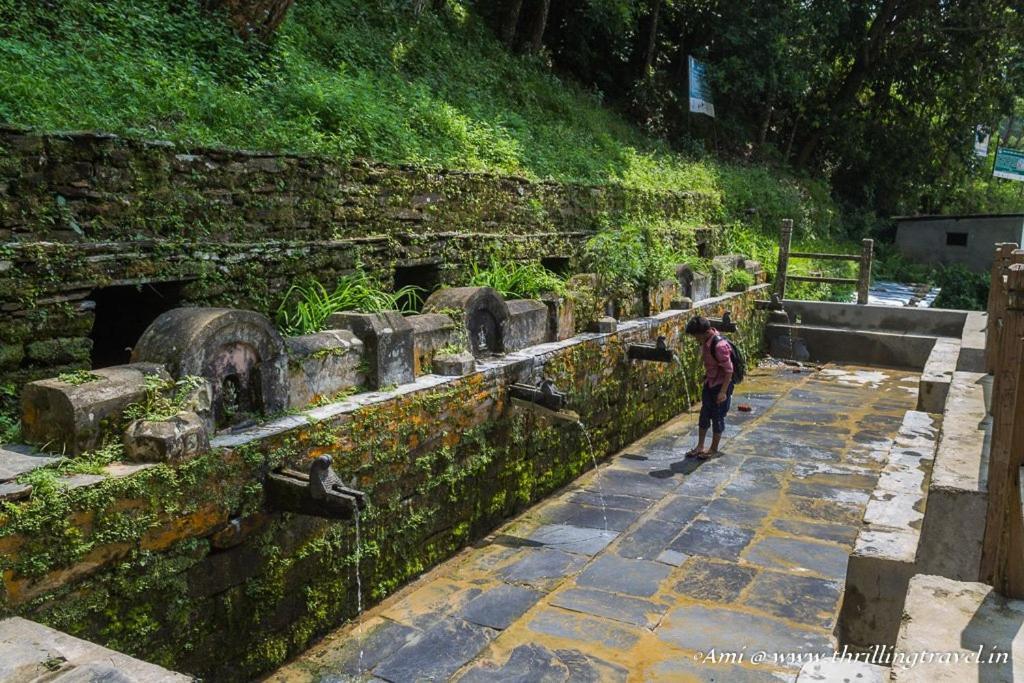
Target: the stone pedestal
(322, 365)
(455, 365)
(561, 318)
(388, 345)
(527, 324)
(240, 352)
(482, 312)
(174, 441)
(73, 416)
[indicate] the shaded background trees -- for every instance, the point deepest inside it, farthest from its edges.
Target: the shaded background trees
(879, 95)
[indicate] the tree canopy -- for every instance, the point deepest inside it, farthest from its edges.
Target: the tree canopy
(879, 95)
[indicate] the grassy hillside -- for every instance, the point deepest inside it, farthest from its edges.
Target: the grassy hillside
(351, 78)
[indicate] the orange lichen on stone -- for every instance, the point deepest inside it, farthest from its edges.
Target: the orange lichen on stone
(21, 590)
(199, 523)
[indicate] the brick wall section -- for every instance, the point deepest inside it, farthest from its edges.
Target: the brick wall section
(146, 565)
(80, 211)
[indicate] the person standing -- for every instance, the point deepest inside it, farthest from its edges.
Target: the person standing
(716, 395)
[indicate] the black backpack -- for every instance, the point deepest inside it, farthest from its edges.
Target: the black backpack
(739, 363)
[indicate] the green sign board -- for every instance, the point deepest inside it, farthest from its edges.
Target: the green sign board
(1009, 164)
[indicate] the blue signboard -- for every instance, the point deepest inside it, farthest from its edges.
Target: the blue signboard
(700, 93)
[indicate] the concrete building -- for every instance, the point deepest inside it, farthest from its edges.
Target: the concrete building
(957, 239)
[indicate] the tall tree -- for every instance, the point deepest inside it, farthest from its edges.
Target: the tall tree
(540, 24)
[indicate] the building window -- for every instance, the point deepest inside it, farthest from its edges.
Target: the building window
(956, 239)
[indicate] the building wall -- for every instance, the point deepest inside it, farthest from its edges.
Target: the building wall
(188, 568)
(81, 213)
(925, 239)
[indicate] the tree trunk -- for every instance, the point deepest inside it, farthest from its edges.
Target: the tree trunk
(540, 23)
(766, 122)
(256, 19)
(508, 28)
(652, 39)
(881, 27)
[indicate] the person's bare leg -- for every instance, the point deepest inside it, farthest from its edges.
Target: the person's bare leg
(716, 438)
(702, 434)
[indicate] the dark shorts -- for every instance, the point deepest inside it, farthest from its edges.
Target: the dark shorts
(712, 413)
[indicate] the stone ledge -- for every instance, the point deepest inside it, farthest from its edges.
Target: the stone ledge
(957, 496)
(31, 652)
(955, 619)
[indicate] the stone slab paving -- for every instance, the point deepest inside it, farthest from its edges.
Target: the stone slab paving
(656, 567)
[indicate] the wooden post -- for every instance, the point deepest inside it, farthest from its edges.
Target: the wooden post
(867, 248)
(996, 301)
(1002, 552)
(785, 238)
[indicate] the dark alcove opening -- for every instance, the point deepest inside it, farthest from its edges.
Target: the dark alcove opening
(559, 265)
(426, 276)
(123, 313)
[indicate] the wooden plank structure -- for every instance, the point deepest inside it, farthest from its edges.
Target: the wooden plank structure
(862, 282)
(1002, 553)
(996, 301)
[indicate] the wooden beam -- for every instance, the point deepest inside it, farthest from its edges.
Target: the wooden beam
(1002, 553)
(824, 257)
(867, 250)
(825, 280)
(785, 239)
(996, 301)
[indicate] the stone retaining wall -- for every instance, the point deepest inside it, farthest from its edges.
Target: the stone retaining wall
(85, 211)
(186, 567)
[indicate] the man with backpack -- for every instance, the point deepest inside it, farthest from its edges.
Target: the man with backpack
(724, 366)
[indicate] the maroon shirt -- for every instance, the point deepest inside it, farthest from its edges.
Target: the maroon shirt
(717, 360)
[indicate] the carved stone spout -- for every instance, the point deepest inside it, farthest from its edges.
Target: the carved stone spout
(657, 352)
(544, 394)
(725, 324)
(321, 493)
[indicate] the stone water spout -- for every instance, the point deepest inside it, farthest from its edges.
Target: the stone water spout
(321, 493)
(545, 394)
(725, 324)
(657, 352)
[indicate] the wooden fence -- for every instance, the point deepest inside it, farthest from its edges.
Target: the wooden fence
(862, 281)
(1002, 553)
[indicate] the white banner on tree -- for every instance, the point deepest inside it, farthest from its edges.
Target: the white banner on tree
(981, 138)
(700, 93)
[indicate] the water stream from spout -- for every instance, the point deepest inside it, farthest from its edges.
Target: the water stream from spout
(359, 590)
(593, 459)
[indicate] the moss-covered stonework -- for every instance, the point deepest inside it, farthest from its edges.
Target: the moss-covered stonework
(80, 211)
(187, 569)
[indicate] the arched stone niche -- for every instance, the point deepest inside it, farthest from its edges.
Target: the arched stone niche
(239, 352)
(483, 313)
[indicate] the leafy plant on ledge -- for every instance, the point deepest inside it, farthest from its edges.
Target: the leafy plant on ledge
(515, 280)
(307, 306)
(738, 281)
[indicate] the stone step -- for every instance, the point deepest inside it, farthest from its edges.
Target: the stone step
(885, 554)
(957, 496)
(958, 631)
(18, 459)
(33, 652)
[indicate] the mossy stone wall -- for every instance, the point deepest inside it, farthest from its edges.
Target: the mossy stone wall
(187, 568)
(81, 211)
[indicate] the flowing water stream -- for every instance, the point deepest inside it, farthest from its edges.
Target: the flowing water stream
(593, 458)
(359, 588)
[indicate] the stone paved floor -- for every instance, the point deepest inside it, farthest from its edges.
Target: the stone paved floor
(685, 562)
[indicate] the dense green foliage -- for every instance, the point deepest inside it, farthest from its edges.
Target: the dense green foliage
(871, 97)
(350, 78)
(881, 96)
(514, 280)
(307, 306)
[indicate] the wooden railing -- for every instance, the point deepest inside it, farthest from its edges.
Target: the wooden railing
(862, 281)
(1002, 552)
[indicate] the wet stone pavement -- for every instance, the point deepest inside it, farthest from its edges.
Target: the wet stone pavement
(655, 566)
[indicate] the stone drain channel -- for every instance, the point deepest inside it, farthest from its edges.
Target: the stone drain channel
(654, 566)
